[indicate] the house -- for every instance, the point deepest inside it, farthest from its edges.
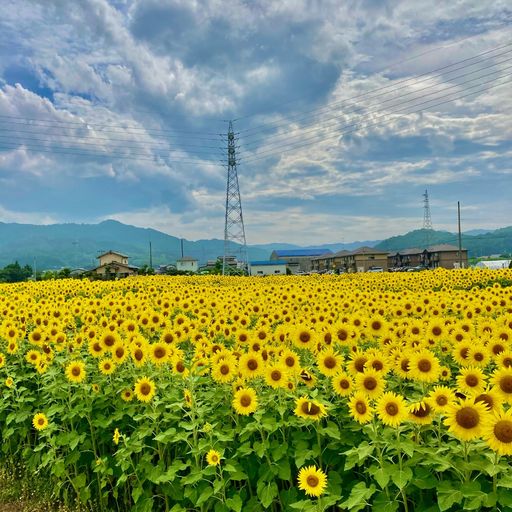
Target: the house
(114, 264)
(299, 260)
(187, 264)
(405, 258)
(444, 256)
(364, 259)
(329, 261)
(267, 268)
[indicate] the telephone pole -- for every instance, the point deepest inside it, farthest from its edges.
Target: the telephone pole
(234, 231)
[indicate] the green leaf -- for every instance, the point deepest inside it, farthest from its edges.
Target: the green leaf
(266, 492)
(332, 430)
(382, 503)
(194, 476)
(359, 496)
(235, 503)
(400, 477)
(284, 470)
(167, 436)
(205, 494)
(504, 498)
(137, 493)
(382, 477)
(448, 494)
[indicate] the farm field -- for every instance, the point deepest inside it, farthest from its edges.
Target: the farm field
(379, 392)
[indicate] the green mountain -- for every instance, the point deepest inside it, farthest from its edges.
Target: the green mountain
(77, 245)
(498, 241)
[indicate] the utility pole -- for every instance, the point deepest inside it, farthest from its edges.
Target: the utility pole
(460, 235)
(427, 219)
(181, 242)
(234, 231)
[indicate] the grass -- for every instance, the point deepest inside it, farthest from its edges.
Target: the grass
(24, 492)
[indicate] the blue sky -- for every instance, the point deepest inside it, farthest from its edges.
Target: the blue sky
(113, 109)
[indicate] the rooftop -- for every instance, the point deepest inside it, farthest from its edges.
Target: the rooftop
(267, 263)
(112, 252)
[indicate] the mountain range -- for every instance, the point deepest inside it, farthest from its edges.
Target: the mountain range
(78, 245)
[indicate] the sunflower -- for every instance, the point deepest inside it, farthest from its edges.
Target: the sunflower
(245, 401)
(424, 366)
(307, 378)
(276, 376)
(357, 361)
(501, 379)
(33, 357)
(504, 359)
(441, 398)
(343, 384)
(251, 365)
(491, 399)
(304, 337)
(312, 481)
(360, 409)
(497, 433)
(109, 339)
(291, 361)
(370, 383)
(107, 366)
(9, 382)
(225, 370)
(40, 421)
(213, 458)
(460, 352)
(145, 389)
(119, 353)
(471, 380)
(329, 362)
(138, 355)
(377, 362)
(309, 409)
(187, 398)
(127, 395)
(478, 355)
(391, 409)
(2, 359)
(116, 437)
(421, 413)
(159, 353)
(75, 371)
(466, 419)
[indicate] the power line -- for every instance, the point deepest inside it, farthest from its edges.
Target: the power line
(356, 105)
(34, 148)
(396, 63)
(339, 133)
(378, 89)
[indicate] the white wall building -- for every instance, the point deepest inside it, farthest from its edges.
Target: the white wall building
(493, 264)
(187, 264)
(267, 268)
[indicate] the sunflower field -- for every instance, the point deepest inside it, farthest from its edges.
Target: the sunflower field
(380, 392)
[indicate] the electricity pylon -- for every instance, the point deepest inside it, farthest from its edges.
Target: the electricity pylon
(427, 219)
(234, 231)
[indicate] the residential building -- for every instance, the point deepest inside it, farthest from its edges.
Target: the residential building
(267, 268)
(299, 260)
(364, 259)
(328, 262)
(187, 264)
(405, 258)
(441, 255)
(114, 264)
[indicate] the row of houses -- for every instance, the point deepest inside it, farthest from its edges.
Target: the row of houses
(363, 259)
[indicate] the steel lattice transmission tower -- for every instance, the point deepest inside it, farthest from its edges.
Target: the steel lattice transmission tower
(427, 219)
(234, 231)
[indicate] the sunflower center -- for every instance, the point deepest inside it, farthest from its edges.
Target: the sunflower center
(359, 364)
(464, 353)
(245, 400)
(75, 371)
(507, 362)
(138, 355)
(503, 431)
(424, 365)
(467, 417)
(215, 458)
(392, 408)
(370, 383)
(276, 375)
(342, 334)
(506, 384)
(145, 389)
(436, 331)
(472, 380)
(224, 369)
(376, 325)
(252, 364)
(330, 362)
(497, 348)
(361, 407)
(344, 384)
(180, 367)
(40, 421)
(304, 337)
(404, 365)
(243, 338)
(423, 411)
(485, 399)
(159, 353)
(312, 481)
(441, 400)
(109, 340)
(310, 408)
(289, 361)
(377, 365)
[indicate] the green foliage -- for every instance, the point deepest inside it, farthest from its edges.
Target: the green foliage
(15, 273)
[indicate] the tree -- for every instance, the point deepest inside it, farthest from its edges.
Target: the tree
(15, 273)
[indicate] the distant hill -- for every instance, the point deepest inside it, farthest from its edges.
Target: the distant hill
(494, 242)
(77, 245)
